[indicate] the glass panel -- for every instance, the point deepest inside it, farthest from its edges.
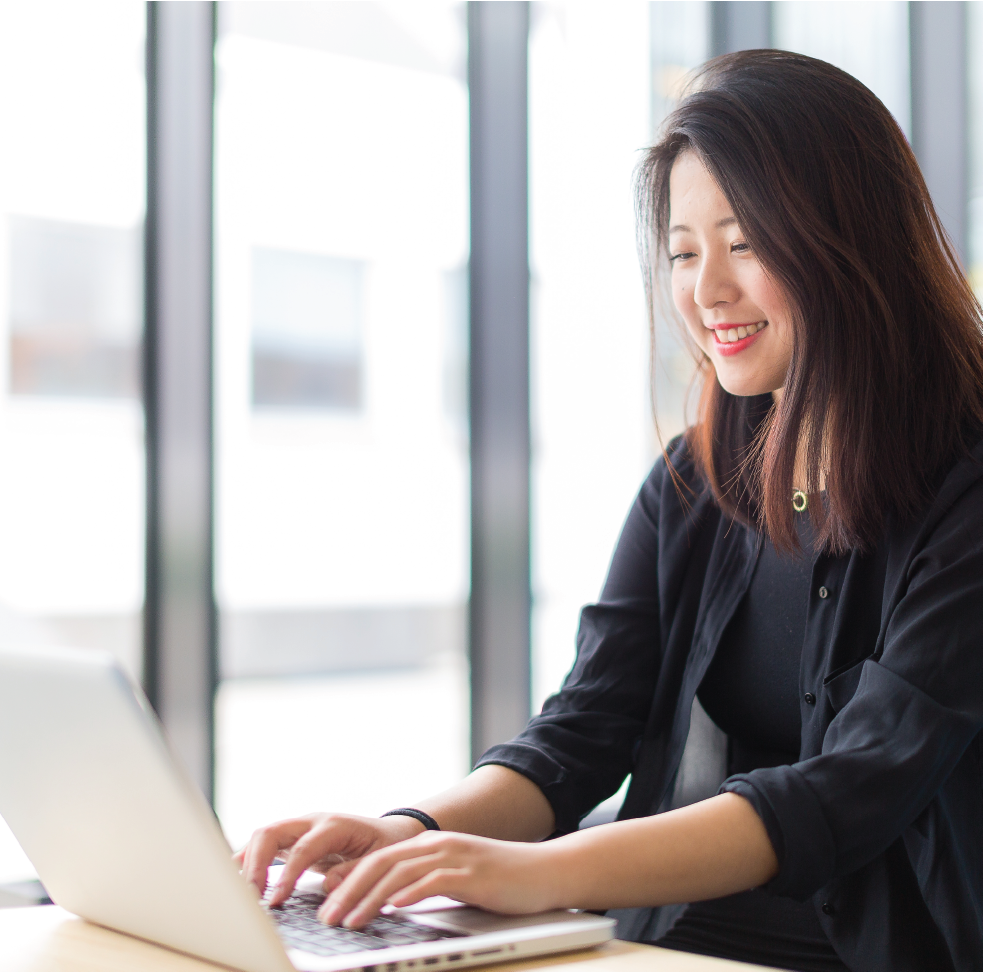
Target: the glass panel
(72, 192)
(342, 461)
(593, 441)
(75, 308)
(307, 330)
(680, 33)
(975, 137)
(866, 38)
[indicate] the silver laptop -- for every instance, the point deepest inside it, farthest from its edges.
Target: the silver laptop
(121, 836)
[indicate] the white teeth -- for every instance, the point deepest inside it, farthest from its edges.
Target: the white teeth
(736, 334)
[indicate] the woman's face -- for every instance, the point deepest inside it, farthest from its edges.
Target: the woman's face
(734, 311)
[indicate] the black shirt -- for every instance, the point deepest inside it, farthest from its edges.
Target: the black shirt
(751, 691)
(751, 688)
(878, 822)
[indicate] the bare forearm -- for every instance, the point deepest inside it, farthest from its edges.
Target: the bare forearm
(494, 802)
(704, 851)
(714, 848)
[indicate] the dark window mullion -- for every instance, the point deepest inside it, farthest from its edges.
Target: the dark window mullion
(499, 607)
(179, 614)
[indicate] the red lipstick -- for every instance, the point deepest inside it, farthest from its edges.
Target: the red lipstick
(728, 348)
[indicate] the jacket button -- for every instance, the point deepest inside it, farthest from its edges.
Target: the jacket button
(823, 592)
(827, 909)
(810, 699)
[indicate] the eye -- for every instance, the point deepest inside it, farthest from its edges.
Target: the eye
(684, 255)
(740, 248)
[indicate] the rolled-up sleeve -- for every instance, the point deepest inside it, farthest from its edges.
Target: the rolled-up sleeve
(579, 749)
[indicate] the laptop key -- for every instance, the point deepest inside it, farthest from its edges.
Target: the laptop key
(299, 926)
(322, 948)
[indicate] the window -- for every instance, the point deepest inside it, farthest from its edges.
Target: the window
(72, 201)
(866, 38)
(341, 227)
(592, 439)
(307, 330)
(75, 314)
(975, 148)
(455, 287)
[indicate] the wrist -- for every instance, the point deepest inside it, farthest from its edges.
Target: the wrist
(411, 812)
(400, 827)
(556, 869)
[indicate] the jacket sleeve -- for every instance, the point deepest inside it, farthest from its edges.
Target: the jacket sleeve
(900, 738)
(579, 749)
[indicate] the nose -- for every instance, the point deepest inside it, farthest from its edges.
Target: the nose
(715, 283)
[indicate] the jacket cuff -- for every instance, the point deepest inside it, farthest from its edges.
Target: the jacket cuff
(536, 766)
(796, 827)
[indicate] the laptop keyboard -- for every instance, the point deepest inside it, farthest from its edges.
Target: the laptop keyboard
(298, 925)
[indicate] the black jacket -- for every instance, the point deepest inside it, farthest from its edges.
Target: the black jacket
(880, 820)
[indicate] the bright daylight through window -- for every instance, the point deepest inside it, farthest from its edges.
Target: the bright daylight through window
(341, 226)
(72, 190)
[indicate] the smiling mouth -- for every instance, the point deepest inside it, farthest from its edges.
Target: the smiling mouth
(727, 336)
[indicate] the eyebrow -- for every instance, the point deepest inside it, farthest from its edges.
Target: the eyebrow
(721, 224)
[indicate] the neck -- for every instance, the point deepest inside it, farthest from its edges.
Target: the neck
(799, 467)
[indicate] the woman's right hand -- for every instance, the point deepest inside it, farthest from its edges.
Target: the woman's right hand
(492, 801)
(329, 843)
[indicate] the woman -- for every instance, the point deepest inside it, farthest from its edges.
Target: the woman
(806, 560)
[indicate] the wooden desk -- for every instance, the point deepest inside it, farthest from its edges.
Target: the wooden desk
(48, 938)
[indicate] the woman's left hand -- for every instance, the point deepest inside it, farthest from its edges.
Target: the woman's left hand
(502, 876)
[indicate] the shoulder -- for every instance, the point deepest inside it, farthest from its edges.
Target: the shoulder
(676, 497)
(956, 508)
(963, 483)
(677, 463)
(672, 521)
(676, 477)
(932, 606)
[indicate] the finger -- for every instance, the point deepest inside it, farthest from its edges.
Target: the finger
(337, 874)
(249, 857)
(259, 855)
(452, 882)
(399, 876)
(365, 876)
(267, 844)
(411, 876)
(306, 851)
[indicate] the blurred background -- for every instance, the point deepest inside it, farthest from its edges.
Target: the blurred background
(347, 566)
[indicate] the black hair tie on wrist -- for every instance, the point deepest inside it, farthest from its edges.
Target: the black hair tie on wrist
(411, 812)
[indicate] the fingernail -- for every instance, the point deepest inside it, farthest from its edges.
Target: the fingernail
(330, 914)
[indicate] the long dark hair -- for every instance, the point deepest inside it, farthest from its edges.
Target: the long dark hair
(884, 385)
